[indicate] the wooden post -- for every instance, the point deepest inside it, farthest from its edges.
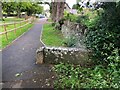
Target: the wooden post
(32, 20)
(20, 26)
(15, 28)
(26, 21)
(5, 31)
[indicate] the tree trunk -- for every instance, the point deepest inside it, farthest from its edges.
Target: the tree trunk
(62, 9)
(1, 15)
(57, 10)
(54, 9)
(18, 13)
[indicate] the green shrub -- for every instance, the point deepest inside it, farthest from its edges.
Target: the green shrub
(70, 41)
(104, 36)
(70, 17)
(53, 24)
(103, 39)
(74, 77)
(57, 26)
(81, 18)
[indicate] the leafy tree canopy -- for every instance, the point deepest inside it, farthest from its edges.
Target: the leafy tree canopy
(18, 7)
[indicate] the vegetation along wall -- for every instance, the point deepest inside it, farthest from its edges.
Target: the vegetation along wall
(75, 32)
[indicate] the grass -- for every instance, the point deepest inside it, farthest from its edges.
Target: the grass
(12, 36)
(9, 27)
(11, 19)
(50, 20)
(51, 37)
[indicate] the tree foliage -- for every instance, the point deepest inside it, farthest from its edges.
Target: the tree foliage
(8, 7)
(76, 6)
(1, 16)
(18, 7)
(104, 37)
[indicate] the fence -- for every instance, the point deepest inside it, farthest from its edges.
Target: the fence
(4, 26)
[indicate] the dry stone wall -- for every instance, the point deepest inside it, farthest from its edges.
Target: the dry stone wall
(55, 55)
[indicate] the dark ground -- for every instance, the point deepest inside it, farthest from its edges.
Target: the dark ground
(18, 62)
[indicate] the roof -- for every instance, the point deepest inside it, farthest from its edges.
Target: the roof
(67, 5)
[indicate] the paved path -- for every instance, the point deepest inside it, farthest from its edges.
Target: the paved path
(19, 59)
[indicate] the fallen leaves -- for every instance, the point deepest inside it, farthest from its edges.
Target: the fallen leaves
(18, 74)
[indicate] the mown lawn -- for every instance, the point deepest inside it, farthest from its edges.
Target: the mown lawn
(11, 20)
(51, 37)
(12, 35)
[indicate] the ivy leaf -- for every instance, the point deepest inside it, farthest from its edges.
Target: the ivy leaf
(17, 74)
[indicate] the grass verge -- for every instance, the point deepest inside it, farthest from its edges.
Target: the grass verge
(12, 36)
(51, 37)
(12, 20)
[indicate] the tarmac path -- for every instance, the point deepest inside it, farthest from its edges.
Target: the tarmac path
(18, 62)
